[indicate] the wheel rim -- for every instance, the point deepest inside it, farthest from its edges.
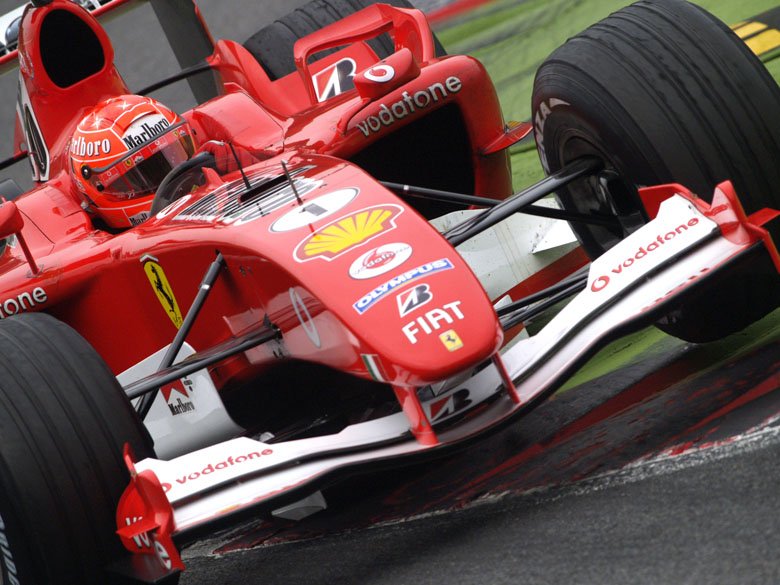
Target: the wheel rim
(609, 193)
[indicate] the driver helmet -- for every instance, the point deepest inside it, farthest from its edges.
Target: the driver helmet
(121, 151)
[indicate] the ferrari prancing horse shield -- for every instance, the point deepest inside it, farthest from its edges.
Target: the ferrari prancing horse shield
(162, 289)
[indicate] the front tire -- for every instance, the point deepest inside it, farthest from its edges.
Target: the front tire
(661, 92)
(63, 422)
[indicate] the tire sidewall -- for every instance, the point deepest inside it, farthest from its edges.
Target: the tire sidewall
(16, 567)
(63, 422)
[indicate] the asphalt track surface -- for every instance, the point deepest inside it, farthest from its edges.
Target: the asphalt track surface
(665, 471)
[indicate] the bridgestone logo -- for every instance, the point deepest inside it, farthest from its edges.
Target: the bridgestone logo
(9, 576)
(409, 104)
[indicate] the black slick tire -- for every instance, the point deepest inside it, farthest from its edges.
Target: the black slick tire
(272, 45)
(660, 91)
(63, 422)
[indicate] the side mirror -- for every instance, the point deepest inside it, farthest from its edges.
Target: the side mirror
(11, 223)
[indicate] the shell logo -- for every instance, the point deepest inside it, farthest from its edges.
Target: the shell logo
(348, 232)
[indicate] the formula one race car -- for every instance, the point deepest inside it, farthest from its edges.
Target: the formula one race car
(292, 301)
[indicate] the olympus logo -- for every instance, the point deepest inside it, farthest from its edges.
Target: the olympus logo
(380, 292)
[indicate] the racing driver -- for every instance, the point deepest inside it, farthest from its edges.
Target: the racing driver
(123, 148)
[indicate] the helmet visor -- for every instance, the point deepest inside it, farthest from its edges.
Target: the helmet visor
(142, 169)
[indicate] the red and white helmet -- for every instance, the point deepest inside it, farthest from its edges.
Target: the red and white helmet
(121, 151)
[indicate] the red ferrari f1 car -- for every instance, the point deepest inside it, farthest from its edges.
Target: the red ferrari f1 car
(211, 314)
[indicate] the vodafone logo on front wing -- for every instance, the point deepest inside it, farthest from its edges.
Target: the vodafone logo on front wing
(208, 469)
(602, 281)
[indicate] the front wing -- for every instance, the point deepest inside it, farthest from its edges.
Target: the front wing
(631, 286)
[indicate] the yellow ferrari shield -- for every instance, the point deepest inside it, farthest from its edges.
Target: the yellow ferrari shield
(163, 290)
(451, 340)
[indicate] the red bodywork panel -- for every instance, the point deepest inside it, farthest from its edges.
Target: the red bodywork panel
(353, 277)
(321, 261)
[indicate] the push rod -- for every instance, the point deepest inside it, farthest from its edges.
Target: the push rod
(580, 278)
(186, 326)
(462, 198)
(148, 386)
(490, 217)
(524, 314)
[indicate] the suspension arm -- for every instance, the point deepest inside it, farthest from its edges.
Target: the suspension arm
(470, 228)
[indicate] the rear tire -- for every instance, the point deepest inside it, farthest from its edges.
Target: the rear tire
(63, 422)
(661, 91)
(272, 45)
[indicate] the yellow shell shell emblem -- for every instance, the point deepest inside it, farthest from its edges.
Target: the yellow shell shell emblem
(163, 290)
(347, 232)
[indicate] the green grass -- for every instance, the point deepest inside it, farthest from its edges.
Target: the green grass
(512, 38)
(651, 341)
(773, 67)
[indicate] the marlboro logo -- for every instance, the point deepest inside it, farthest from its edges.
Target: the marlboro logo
(144, 130)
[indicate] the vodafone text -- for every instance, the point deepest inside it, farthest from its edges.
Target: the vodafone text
(229, 462)
(601, 282)
(408, 104)
(23, 302)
